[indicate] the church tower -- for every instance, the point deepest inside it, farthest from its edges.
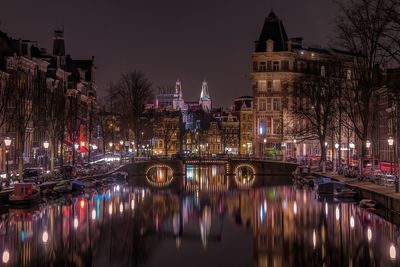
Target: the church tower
(178, 102)
(205, 99)
(59, 46)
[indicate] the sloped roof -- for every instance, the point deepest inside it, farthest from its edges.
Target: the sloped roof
(273, 29)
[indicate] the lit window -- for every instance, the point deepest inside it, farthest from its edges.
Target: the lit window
(262, 105)
(276, 85)
(323, 71)
(276, 104)
(262, 85)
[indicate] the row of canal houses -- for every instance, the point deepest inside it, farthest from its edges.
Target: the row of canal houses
(45, 96)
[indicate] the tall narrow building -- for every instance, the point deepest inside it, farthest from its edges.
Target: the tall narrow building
(205, 99)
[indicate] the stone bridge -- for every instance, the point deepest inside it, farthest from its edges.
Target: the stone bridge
(209, 173)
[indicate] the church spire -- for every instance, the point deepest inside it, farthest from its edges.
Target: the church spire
(205, 99)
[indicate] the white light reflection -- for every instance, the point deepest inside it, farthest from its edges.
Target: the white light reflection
(392, 252)
(121, 208)
(76, 222)
(110, 209)
(45, 237)
(314, 239)
(352, 223)
(369, 234)
(6, 256)
(265, 206)
(326, 209)
(93, 214)
(337, 213)
(295, 208)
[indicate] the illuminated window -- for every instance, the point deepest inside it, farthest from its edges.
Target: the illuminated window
(262, 85)
(276, 104)
(262, 104)
(276, 85)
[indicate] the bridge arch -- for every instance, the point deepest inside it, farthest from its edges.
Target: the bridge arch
(159, 175)
(245, 175)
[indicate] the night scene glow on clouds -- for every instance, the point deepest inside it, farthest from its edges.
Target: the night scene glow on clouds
(200, 133)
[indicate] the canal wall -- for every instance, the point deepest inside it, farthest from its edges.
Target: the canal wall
(384, 195)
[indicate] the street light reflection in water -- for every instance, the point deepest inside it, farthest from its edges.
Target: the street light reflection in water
(251, 227)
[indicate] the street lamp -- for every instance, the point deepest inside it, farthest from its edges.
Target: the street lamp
(337, 155)
(46, 145)
(264, 146)
(390, 143)
(7, 143)
(121, 142)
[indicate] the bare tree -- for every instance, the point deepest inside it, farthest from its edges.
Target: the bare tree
(315, 104)
(23, 84)
(361, 28)
(168, 131)
(132, 91)
(391, 43)
(55, 117)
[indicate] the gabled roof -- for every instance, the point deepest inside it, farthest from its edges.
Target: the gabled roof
(273, 29)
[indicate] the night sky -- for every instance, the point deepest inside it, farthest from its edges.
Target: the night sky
(185, 39)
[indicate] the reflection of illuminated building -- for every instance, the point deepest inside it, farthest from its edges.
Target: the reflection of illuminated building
(205, 176)
(205, 225)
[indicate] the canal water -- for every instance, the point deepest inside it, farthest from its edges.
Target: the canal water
(127, 226)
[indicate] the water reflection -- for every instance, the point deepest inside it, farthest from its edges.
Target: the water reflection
(245, 175)
(277, 226)
(159, 175)
(206, 176)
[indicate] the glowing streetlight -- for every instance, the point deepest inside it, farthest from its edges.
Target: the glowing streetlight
(121, 142)
(46, 144)
(352, 145)
(390, 141)
(76, 146)
(336, 145)
(368, 144)
(265, 140)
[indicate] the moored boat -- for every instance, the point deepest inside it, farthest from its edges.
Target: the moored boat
(345, 192)
(330, 187)
(368, 204)
(63, 187)
(24, 194)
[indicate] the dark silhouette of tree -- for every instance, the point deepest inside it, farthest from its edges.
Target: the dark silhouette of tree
(315, 104)
(361, 27)
(132, 91)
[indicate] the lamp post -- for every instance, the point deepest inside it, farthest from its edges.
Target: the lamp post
(46, 145)
(351, 146)
(7, 142)
(337, 156)
(76, 147)
(264, 146)
(295, 148)
(396, 181)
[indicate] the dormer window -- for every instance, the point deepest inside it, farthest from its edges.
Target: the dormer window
(270, 45)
